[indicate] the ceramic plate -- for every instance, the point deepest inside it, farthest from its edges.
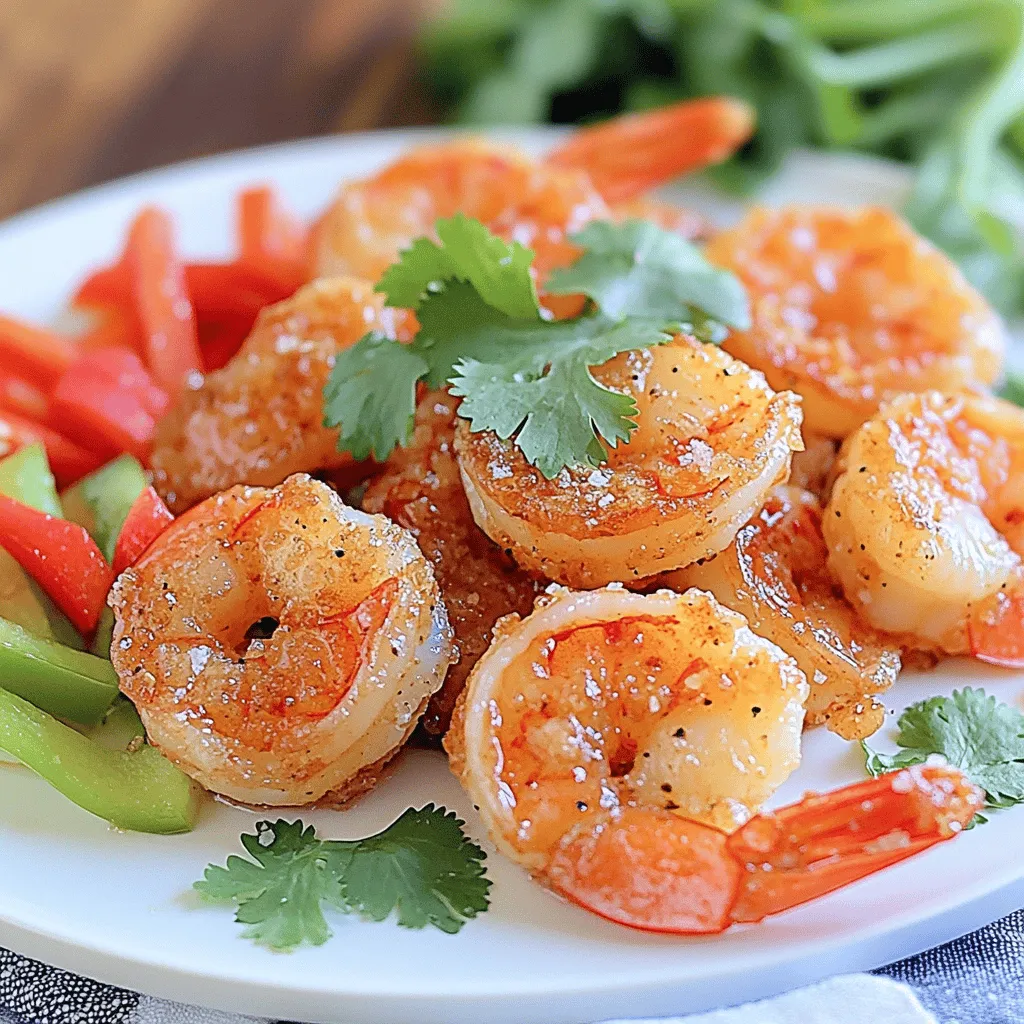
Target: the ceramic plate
(119, 906)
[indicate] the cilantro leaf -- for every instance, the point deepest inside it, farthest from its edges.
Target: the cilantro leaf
(640, 269)
(499, 271)
(278, 893)
(1013, 388)
(371, 395)
(973, 732)
(422, 865)
(549, 395)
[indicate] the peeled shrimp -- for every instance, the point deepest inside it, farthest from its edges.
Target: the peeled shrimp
(925, 524)
(419, 488)
(850, 309)
(607, 735)
(279, 645)
(774, 573)
(260, 418)
(712, 441)
(538, 203)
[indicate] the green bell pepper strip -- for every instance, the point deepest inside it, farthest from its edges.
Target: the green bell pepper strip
(65, 682)
(100, 502)
(137, 790)
(26, 475)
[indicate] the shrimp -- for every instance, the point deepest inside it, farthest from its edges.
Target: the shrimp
(613, 740)
(278, 645)
(925, 524)
(712, 441)
(419, 488)
(850, 309)
(538, 203)
(774, 573)
(811, 469)
(260, 418)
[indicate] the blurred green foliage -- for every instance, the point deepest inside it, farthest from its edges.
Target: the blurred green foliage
(939, 83)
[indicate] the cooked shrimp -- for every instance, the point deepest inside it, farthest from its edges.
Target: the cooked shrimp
(260, 418)
(607, 735)
(850, 309)
(538, 203)
(712, 441)
(774, 573)
(279, 645)
(419, 488)
(811, 469)
(925, 525)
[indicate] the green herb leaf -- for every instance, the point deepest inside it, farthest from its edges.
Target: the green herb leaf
(547, 393)
(422, 865)
(639, 269)
(279, 892)
(1013, 388)
(499, 271)
(371, 395)
(973, 732)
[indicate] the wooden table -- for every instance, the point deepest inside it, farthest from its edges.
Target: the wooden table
(93, 89)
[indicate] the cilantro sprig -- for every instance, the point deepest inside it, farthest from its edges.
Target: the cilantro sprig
(973, 731)
(522, 375)
(422, 867)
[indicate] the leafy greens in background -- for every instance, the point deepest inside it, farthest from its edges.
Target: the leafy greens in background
(522, 375)
(422, 867)
(939, 83)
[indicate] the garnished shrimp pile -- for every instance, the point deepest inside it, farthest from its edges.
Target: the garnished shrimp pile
(798, 511)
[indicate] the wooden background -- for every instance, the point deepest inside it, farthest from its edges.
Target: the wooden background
(93, 89)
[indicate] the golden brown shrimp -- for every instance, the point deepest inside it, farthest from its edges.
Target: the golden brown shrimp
(603, 738)
(279, 645)
(419, 488)
(775, 574)
(538, 203)
(260, 418)
(850, 309)
(925, 524)
(712, 441)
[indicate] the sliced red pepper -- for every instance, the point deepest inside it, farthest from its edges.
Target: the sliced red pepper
(108, 286)
(162, 301)
(61, 557)
(37, 355)
(221, 340)
(109, 400)
(146, 520)
(69, 461)
(22, 398)
(231, 289)
(270, 238)
(996, 631)
(115, 327)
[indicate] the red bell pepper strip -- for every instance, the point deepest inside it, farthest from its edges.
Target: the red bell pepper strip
(115, 327)
(108, 399)
(21, 398)
(61, 557)
(38, 355)
(108, 286)
(221, 340)
(69, 461)
(162, 301)
(231, 289)
(996, 632)
(146, 520)
(270, 238)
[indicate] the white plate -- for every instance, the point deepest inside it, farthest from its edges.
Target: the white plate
(118, 906)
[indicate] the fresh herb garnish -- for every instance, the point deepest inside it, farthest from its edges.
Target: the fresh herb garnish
(973, 731)
(422, 866)
(522, 375)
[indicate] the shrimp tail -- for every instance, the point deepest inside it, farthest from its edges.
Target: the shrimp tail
(996, 634)
(653, 870)
(825, 842)
(629, 155)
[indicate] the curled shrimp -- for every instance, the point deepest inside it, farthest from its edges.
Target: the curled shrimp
(849, 309)
(775, 574)
(712, 441)
(538, 203)
(608, 737)
(279, 645)
(260, 418)
(419, 488)
(925, 524)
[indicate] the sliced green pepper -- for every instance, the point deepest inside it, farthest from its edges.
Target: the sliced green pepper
(26, 475)
(136, 789)
(101, 500)
(65, 682)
